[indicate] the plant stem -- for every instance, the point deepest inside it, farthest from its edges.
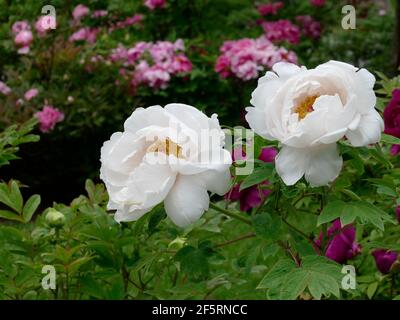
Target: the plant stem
(230, 214)
(243, 237)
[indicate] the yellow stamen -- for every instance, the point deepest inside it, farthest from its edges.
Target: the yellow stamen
(305, 107)
(167, 146)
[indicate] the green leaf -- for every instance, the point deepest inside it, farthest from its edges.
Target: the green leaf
(77, 264)
(16, 197)
(372, 289)
(364, 212)
(286, 281)
(9, 215)
(267, 225)
(259, 175)
(389, 139)
(156, 216)
(378, 155)
(193, 261)
(30, 207)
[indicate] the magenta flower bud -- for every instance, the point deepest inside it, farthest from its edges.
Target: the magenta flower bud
(268, 154)
(384, 259)
(341, 242)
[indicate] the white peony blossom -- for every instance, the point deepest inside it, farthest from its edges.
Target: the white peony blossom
(172, 154)
(308, 111)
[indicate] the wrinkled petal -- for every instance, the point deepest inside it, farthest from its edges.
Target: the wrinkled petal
(368, 131)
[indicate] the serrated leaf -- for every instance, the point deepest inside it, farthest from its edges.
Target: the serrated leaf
(30, 207)
(287, 281)
(348, 212)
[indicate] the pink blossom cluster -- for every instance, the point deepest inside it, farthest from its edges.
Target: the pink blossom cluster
(266, 9)
(135, 19)
(79, 12)
(154, 4)
(4, 89)
(85, 34)
(48, 118)
(152, 64)
(246, 58)
(309, 27)
(30, 94)
(281, 30)
(23, 36)
(44, 24)
(317, 3)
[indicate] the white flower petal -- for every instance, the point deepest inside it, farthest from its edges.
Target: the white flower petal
(291, 164)
(324, 165)
(218, 182)
(368, 131)
(187, 200)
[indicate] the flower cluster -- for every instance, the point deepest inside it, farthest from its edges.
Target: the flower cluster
(281, 30)
(48, 118)
(266, 9)
(340, 242)
(391, 116)
(245, 58)
(85, 34)
(152, 64)
(155, 4)
(309, 27)
(254, 196)
(23, 36)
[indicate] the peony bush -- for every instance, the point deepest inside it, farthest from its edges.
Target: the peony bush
(249, 153)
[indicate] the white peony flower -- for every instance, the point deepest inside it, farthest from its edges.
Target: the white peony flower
(172, 154)
(308, 111)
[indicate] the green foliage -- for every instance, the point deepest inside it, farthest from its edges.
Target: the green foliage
(287, 281)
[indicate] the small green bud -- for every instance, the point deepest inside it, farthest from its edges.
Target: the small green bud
(55, 218)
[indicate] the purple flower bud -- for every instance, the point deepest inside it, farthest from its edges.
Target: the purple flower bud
(268, 154)
(384, 259)
(341, 242)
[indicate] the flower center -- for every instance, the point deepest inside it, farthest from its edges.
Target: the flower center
(166, 146)
(305, 106)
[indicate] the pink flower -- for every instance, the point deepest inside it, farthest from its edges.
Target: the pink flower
(310, 27)
(269, 8)
(246, 58)
(281, 30)
(84, 34)
(48, 118)
(31, 93)
(317, 3)
(44, 24)
(99, 13)
(79, 12)
(152, 64)
(4, 89)
(135, 19)
(23, 38)
(154, 4)
(19, 26)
